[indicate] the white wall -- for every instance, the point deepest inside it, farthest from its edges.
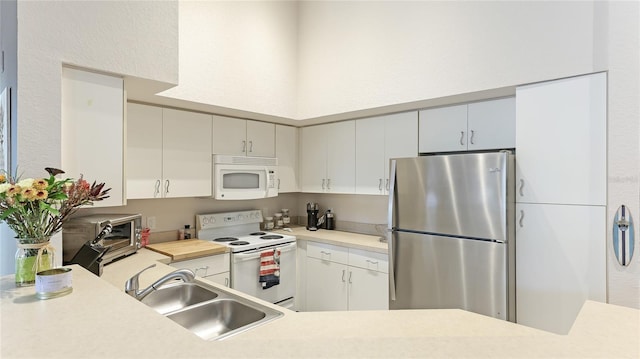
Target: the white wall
(362, 54)
(239, 55)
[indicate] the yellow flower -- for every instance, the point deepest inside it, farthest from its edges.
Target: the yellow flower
(28, 194)
(13, 190)
(40, 184)
(3, 178)
(41, 194)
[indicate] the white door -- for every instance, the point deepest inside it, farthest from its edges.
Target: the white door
(186, 156)
(313, 158)
(368, 289)
(287, 155)
(561, 141)
(370, 155)
(401, 139)
(326, 285)
(443, 129)
(561, 262)
(492, 124)
(229, 136)
(261, 139)
(144, 151)
(341, 157)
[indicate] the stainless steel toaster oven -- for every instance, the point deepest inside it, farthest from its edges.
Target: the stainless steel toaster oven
(123, 240)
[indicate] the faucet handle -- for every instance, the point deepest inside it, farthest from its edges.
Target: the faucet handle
(132, 284)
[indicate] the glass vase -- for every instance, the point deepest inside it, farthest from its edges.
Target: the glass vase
(33, 255)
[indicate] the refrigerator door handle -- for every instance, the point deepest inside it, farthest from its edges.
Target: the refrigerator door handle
(392, 190)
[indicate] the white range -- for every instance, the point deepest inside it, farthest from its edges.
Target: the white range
(240, 231)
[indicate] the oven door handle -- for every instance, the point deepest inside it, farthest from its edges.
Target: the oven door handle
(255, 254)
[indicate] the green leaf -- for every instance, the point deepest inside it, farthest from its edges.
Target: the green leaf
(48, 208)
(7, 213)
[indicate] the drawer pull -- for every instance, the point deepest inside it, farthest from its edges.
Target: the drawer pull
(205, 269)
(372, 262)
(325, 253)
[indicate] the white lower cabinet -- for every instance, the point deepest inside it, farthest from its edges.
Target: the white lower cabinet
(213, 268)
(340, 278)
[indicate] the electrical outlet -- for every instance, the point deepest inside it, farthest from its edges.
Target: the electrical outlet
(151, 222)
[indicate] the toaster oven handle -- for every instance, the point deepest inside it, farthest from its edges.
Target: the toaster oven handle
(105, 230)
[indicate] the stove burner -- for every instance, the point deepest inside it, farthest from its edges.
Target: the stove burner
(238, 243)
(257, 234)
(271, 236)
(225, 239)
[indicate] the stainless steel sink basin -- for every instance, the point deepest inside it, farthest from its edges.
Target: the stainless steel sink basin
(173, 297)
(209, 312)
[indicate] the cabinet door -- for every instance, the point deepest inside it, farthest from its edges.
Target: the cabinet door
(561, 141)
(186, 160)
(221, 278)
(93, 122)
(492, 124)
(287, 155)
(261, 139)
(313, 158)
(144, 151)
(370, 154)
(443, 129)
(341, 157)
(561, 262)
(368, 289)
(229, 136)
(401, 139)
(326, 285)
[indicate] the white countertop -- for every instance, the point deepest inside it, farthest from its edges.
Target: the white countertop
(98, 320)
(347, 239)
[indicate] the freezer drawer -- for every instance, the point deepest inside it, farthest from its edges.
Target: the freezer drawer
(435, 272)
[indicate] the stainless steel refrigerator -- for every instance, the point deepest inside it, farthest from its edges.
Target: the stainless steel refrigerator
(451, 233)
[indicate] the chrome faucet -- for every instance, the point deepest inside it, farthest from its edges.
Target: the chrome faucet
(132, 284)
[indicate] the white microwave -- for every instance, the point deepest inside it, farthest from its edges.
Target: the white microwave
(239, 177)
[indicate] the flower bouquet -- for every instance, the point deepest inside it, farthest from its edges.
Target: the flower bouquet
(36, 209)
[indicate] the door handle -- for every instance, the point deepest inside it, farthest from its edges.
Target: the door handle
(343, 275)
(156, 192)
(166, 186)
(387, 184)
(250, 146)
(244, 146)
(521, 188)
(323, 184)
(380, 184)
(328, 183)
(461, 138)
(278, 183)
(472, 134)
(350, 273)
(521, 218)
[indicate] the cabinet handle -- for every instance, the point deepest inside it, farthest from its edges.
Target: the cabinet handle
(328, 183)
(461, 138)
(166, 186)
(156, 192)
(323, 184)
(521, 218)
(244, 146)
(372, 262)
(380, 184)
(350, 273)
(387, 184)
(250, 146)
(205, 268)
(278, 183)
(226, 282)
(521, 188)
(343, 275)
(471, 139)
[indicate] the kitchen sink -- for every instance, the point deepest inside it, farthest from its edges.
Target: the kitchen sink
(209, 312)
(173, 297)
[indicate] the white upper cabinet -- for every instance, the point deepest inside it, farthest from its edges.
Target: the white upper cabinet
(287, 154)
(232, 136)
(168, 153)
(476, 126)
(561, 141)
(328, 158)
(491, 124)
(379, 139)
(92, 133)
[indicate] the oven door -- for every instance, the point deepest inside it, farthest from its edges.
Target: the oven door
(234, 182)
(245, 274)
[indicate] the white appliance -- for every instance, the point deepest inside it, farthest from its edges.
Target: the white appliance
(240, 177)
(240, 231)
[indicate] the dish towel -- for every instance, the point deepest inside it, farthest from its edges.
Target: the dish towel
(269, 268)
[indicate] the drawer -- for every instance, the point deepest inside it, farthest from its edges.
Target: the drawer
(206, 266)
(369, 260)
(328, 252)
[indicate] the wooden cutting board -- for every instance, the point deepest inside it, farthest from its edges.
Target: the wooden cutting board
(187, 249)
